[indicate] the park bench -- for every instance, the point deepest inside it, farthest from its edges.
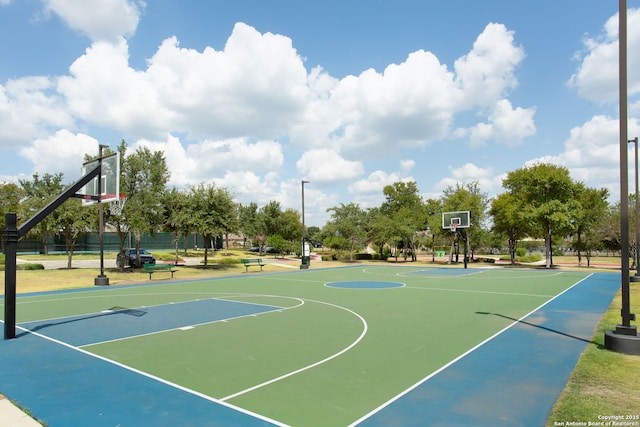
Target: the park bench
(152, 268)
(248, 262)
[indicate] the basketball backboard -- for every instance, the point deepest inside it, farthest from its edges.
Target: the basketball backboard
(105, 188)
(460, 219)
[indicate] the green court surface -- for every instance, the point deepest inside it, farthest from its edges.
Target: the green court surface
(322, 347)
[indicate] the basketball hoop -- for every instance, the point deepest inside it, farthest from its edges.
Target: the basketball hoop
(116, 206)
(454, 227)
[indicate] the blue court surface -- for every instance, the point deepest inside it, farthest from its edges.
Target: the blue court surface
(78, 369)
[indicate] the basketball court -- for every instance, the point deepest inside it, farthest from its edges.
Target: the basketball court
(367, 345)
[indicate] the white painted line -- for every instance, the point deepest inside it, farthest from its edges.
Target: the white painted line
(313, 365)
(433, 374)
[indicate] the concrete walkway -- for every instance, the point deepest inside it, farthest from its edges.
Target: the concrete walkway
(12, 416)
(189, 261)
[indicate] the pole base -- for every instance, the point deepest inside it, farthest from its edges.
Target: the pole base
(101, 281)
(304, 266)
(624, 340)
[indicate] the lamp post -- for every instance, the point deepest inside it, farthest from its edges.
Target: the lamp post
(101, 280)
(636, 278)
(624, 338)
(306, 257)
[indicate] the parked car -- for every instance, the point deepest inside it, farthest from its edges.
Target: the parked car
(265, 249)
(128, 257)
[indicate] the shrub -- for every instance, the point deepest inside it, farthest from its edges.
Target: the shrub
(30, 267)
(228, 260)
(534, 257)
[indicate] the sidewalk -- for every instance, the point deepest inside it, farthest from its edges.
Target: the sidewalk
(12, 416)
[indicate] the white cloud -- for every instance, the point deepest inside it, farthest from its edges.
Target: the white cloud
(487, 73)
(211, 160)
(376, 181)
(250, 187)
(592, 152)
(466, 174)
(235, 109)
(415, 102)
(409, 104)
(595, 143)
(102, 89)
(597, 76)
(98, 19)
(323, 165)
(407, 165)
(29, 109)
(508, 126)
(238, 154)
(63, 152)
(256, 87)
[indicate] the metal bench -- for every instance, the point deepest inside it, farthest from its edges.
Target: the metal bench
(248, 262)
(152, 268)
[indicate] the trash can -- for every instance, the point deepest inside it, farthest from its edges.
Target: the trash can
(306, 256)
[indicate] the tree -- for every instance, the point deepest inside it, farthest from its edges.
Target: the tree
(279, 244)
(508, 220)
(467, 197)
(314, 233)
(348, 222)
(74, 219)
(547, 195)
(291, 225)
(213, 213)
(380, 230)
(270, 219)
(405, 207)
(38, 192)
(10, 197)
(177, 215)
(591, 209)
(249, 221)
(433, 210)
(144, 176)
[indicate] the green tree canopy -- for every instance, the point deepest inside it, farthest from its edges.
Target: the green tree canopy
(408, 214)
(213, 212)
(38, 193)
(348, 221)
(467, 197)
(10, 197)
(508, 221)
(144, 175)
(547, 198)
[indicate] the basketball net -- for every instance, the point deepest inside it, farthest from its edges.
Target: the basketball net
(116, 206)
(454, 227)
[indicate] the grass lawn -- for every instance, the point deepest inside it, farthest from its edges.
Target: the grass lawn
(603, 382)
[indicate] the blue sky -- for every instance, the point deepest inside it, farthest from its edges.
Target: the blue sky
(350, 95)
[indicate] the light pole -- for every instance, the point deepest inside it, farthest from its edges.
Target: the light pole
(624, 338)
(101, 280)
(636, 278)
(306, 256)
